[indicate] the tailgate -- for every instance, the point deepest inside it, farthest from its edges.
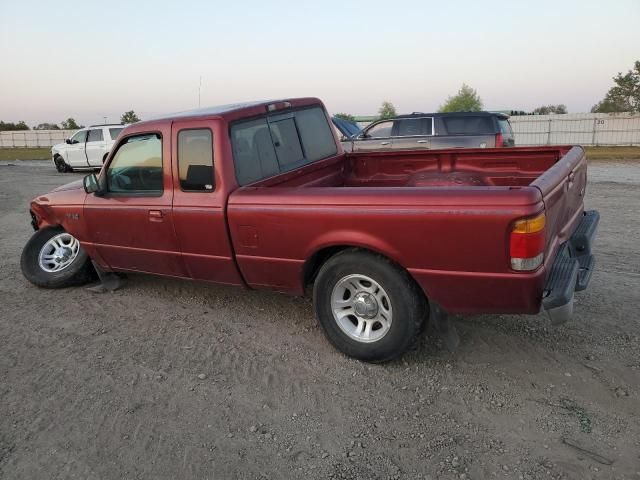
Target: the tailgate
(563, 188)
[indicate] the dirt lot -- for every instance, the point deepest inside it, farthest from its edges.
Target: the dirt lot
(171, 379)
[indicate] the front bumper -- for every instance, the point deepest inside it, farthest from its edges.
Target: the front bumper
(571, 270)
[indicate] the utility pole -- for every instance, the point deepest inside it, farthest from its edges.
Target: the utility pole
(105, 120)
(199, 90)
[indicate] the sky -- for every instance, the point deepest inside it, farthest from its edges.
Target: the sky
(91, 59)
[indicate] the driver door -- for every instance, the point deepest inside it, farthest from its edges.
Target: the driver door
(375, 137)
(76, 156)
(131, 225)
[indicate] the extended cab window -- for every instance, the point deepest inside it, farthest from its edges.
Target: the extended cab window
(137, 166)
(95, 135)
(280, 142)
(195, 160)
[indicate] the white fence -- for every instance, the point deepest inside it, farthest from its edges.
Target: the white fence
(34, 138)
(577, 128)
(566, 129)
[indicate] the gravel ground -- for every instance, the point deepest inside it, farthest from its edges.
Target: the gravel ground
(173, 379)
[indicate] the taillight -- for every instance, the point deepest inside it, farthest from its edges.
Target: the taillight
(499, 140)
(526, 246)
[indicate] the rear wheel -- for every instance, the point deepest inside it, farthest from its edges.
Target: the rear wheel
(53, 258)
(368, 307)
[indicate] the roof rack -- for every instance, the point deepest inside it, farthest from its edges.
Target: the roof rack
(106, 125)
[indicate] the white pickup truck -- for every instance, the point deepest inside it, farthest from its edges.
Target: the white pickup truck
(86, 149)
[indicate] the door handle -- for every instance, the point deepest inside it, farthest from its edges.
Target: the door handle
(385, 143)
(422, 141)
(155, 215)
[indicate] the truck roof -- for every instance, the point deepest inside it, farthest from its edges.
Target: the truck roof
(234, 111)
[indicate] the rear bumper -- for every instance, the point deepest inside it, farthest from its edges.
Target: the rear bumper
(571, 270)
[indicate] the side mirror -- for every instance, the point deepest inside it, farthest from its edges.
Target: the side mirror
(67, 141)
(90, 183)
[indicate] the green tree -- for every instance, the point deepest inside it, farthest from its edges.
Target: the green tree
(70, 124)
(547, 109)
(387, 110)
(129, 117)
(466, 100)
(9, 126)
(345, 116)
(624, 96)
(46, 126)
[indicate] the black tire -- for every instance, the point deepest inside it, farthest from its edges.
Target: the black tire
(78, 272)
(61, 165)
(408, 305)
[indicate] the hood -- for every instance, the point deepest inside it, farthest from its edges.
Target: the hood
(345, 127)
(77, 185)
(59, 146)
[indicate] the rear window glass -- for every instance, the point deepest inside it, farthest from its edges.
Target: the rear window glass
(409, 127)
(284, 135)
(114, 132)
(469, 125)
(268, 146)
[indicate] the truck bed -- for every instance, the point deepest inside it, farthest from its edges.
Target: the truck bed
(445, 215)
(513, 167)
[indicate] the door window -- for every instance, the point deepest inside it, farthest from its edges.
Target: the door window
(381, 130)
(95, 135)
(79, 137)
(114, 132)
(137, 166)
(195, 160)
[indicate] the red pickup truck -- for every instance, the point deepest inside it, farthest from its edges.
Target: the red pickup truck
(261, 195)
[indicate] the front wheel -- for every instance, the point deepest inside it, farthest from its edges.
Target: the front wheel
(61, 165)
(368, 307)
(53, 258)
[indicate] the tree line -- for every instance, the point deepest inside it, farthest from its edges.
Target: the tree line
(623, 96)
(68, 124)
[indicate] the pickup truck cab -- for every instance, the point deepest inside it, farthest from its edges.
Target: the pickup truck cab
(86, 149)
(261, 195)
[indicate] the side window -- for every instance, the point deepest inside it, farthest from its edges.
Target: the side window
(114, 132)
(195, 160)
(79, 137)
(469, 125)
(381, 130)
(137, 166)
(505, 126)
(95, 135)
(409, 127)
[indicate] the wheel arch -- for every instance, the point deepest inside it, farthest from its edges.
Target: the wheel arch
(319, 257)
